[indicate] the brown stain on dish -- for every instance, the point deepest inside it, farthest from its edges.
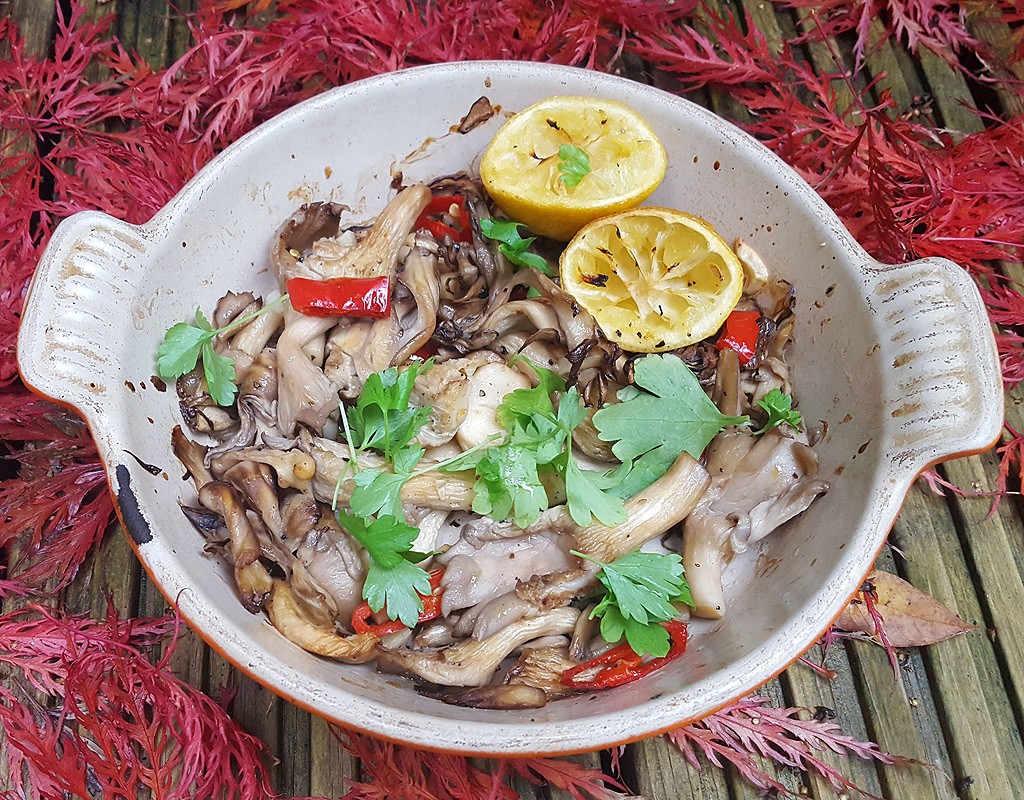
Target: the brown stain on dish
(70, 269)
(150, 468)
(158, 383)
(124, 238)
(906, 408)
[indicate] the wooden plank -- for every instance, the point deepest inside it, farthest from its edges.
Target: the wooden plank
(294, 773)
(656, 770)
(900, 713)
(112, 571)
(179, 37)
(901, 718)
(883, 62)
(721, 102)
(145, 24)
(985, 25)
(991, 545)
(985, 743)
(803, 687)
(258, 711)
(35, 21)
(952, 97)
(330, 763)
(829, 58)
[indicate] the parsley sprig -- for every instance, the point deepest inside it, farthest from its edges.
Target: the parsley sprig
(663, 415)
(513, 246)
(573, 164)
(779, 407)
(392, 581)
(640, 589)
(185, 342)
(539, 439)
(382, 419)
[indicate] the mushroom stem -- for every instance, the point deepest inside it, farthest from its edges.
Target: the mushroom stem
(286, 615)
(473, 662)
(652, 511)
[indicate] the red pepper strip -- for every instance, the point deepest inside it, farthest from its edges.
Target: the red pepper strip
(431, 610)
(446, 205)
(740, 333)
(341, 297)
(429, 350)
(622, 665)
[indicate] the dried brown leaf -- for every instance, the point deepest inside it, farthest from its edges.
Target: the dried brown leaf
(910, 617)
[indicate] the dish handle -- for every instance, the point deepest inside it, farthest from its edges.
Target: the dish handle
(944, 396)
(84, 285)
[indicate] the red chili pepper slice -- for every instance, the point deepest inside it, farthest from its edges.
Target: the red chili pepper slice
(431, 610)
(444, 207)
(429, 350)
(341, 297)
(622, 665)
(740, 333)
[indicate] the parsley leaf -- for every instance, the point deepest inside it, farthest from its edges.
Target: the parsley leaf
(378, 492)
(185, 342)
(513, 246)
(179, 351)
(382, 418)
(779, 406)
(384, 538)
(586, 495)
(651, 428)
(397, 589)
(391, 581)
(640, 589)
(508, 483)
(539, 437)
(573, 164)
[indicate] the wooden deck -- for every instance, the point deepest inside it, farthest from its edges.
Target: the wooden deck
(958, 706)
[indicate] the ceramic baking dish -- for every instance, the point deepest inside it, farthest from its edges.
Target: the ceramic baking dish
(899, 361)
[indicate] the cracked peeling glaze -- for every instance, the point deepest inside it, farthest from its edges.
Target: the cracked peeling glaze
(899, 360)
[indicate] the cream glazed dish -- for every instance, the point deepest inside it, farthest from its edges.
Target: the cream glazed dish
(504, 602)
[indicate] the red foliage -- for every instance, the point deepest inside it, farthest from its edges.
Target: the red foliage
(57, 508)
(937, 25)
(122, 722)
(394, 771)
(751, 728)
(126, 142)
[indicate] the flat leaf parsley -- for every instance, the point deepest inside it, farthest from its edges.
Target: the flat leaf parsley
(640, 589)
(573, 164)
(185, 342)
(539, 439)
(513, 246)
(779, 407)
(664, 415)
(392, 582)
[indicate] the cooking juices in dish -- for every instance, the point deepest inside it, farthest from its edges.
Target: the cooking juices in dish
(505, 466)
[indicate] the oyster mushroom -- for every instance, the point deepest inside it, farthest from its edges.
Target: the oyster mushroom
(287, 616)
(652, 511)
(757, 484)
(251, 577)
(472, 663)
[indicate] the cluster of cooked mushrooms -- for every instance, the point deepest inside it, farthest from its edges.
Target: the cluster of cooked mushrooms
(514, 601)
